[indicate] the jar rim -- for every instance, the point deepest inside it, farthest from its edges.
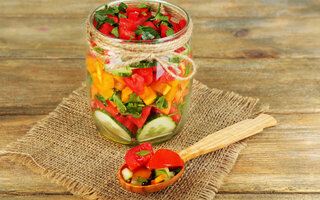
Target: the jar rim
(160, 40)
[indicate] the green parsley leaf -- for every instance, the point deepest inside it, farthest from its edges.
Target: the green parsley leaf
(169, 32)
(188, 67)
(101, 17)
(144, 14)
(143, 5)
(131, 37)
(120, 106)
(101, 99)
(161, 102)
(98, 49)
(121, 15)
(115, 32)
(122, 7)
(147, 32)
(143, 153)
(134, 98)
(141, 180)
(112, 11)
(175, 60)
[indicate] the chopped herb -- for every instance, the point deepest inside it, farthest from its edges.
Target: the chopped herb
(134, 98)
(98, 49)
(143, 153)
(120, 106)
(131, 37)
(163, 19)
(141, 180)
(147, 32)
(144, 14)
(101, 99)
(115, 32)
(122, 7)
(176, 170)
(175, 60)
(169, 32)
(143, 5)
(188, 66)
(101, 16)
(121, 15)
(161, 102)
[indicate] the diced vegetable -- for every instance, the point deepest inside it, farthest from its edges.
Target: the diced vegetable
(134, 160)
(118, 85)
(159, 179)
(171, 94)
(156, 128)
(135, 83)
(148, 96)
(165, 158)
(165, 171)
(140, 121)
(126, 174)
(142, 172)
(111, 128)
(162, 88)
(125, 95)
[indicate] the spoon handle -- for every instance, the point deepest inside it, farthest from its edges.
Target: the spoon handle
(227, 136)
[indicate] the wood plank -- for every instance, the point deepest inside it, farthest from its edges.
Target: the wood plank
(37, 86)
(281, 159)
(42, 197)
(218, 196)
(217, 8)
(268, 196)
(213, 37)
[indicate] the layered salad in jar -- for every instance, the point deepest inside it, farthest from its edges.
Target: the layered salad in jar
(141, 102)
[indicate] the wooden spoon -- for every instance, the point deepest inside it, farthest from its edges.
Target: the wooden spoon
(212, 142)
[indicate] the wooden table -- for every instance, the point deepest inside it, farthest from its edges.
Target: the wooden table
(268, 49)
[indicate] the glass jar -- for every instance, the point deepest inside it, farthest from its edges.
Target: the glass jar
(140, 102)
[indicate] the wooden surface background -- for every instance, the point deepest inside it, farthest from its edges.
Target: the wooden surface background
(268, 49)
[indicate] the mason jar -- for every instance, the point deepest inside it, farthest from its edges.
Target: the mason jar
(145, 101)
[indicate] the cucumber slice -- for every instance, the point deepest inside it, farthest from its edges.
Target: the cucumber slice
(124, 72)
(126, 174)
(156, 128)
(111, 128)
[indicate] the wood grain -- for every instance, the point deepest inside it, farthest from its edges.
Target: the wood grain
(37, 86)
(282, 159)
(52, 38)
(217, 8)
(218, 196)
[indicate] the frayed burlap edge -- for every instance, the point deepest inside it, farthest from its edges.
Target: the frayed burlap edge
(85, 191)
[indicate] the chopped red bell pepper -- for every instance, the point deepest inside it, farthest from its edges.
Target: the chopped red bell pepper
(139, 122)
(146, 73)
(127, 123)
(135, 83)
(165, 158)
(106, 28)
(163, 30)
(138, 156)
(150, 24)
(182, 23)
(176, 118)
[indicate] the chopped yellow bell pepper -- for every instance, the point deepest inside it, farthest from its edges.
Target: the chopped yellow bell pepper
(148, 96)
(162, 88)
(106, 92)
(119, 79)
(125, 94)
(118, 85)
(159, 179)
(93, 90)
(174, 83)
(90, 62)
(107, 80)
(171, 94)
(184, 84)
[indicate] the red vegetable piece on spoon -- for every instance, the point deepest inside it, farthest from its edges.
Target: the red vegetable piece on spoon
(138, 156)
(165, 158)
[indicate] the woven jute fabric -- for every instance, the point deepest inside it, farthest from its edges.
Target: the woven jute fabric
(66, 148)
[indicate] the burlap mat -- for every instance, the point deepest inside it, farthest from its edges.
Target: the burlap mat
(66, 148)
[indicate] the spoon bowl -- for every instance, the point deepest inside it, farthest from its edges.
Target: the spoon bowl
(212, 142)
(148, 188)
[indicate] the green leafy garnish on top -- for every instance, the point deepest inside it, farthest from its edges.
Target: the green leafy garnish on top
(143, 153)
(147, 32)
